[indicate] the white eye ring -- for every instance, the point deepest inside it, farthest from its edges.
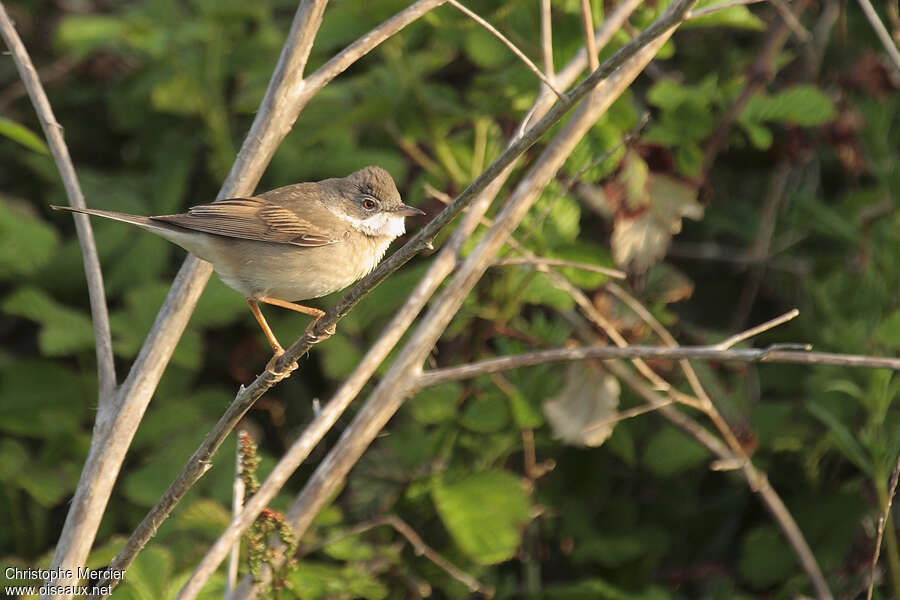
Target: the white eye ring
(369, 203)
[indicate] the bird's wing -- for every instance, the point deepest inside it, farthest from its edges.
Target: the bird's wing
(264, 220)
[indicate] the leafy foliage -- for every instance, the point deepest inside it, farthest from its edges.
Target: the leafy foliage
(155, 101)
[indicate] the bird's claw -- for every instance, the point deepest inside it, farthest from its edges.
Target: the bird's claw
(270, 366)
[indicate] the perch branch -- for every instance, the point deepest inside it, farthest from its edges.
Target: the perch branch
(394, 386)
(272, 123)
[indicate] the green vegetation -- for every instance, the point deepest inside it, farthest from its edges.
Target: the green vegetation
(796, 208)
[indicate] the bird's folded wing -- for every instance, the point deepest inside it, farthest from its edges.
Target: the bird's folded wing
(262, 220)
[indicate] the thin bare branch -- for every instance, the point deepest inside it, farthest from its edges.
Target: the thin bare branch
(394, 386)
(419, 546)
(515, 49)
(792, 21)
(53, 131)
(237, 503)
(772, 354)
(547, 38)
(587, 22)
(555, 262)
(881, 31)
(882, 522)
(261, 139)
(754, 331)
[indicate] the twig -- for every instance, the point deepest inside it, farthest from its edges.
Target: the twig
(624, 415)
(882, 522)
(754, 331)
(47, 74)
(762, 242)
(419, 546)
(273, 121)
(732, 455)
(515, 50)
(53, 131)
(547, 38)
(772, 354)
(587, 22)
(706, 10)
(881, 31)
(792, 21)
(579, 62)
(393, 387)
(237, 503)
(555, 262)
(441, 267)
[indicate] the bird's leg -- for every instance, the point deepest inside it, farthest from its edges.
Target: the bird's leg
(315, 313)
(277, 348)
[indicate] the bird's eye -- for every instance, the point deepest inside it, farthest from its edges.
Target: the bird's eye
(369, 203)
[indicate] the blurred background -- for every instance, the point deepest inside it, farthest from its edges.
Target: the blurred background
(751, 169)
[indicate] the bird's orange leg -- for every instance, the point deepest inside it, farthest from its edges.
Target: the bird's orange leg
(277, 348)
(315, 313)
(273, 341)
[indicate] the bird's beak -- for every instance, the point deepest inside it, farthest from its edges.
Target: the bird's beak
(408, 211)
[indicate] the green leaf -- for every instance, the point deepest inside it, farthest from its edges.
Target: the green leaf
(802, 105)
(671, 452)
(486, 413)
(23, 135)
(766, 558)
(739, 17)
(888, 331)
(760, 135)
(484, 512)
(436, 404)
(26, 242)
(63, 330)
(48, 486)
(843, 438)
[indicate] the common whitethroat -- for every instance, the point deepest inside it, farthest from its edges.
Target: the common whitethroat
(293, 243)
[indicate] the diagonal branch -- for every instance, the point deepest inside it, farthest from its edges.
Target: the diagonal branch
(300, 91)
(881, 31)
(515, 49)
(118, 419)
(53, 131)
(441, 266)
(394, 387)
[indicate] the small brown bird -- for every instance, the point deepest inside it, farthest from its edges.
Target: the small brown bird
(291, 244)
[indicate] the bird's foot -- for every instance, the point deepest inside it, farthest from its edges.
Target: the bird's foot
(315, 338)
(270, 366)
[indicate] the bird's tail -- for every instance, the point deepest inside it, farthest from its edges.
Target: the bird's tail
(116, 216)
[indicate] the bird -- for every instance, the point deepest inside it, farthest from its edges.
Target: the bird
(290, 244)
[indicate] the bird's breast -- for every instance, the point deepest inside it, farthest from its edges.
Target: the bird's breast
(295, 273)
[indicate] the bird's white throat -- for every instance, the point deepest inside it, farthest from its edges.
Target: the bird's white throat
(380, 225)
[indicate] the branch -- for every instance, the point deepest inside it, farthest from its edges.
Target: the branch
(394, 387)
(117, 422)
(881, 31)
(515, 50)
(772, 354)
(555, 262)
(418, 544)
(53, 131)
(547, 38)
(882, 521)
(258, 141)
